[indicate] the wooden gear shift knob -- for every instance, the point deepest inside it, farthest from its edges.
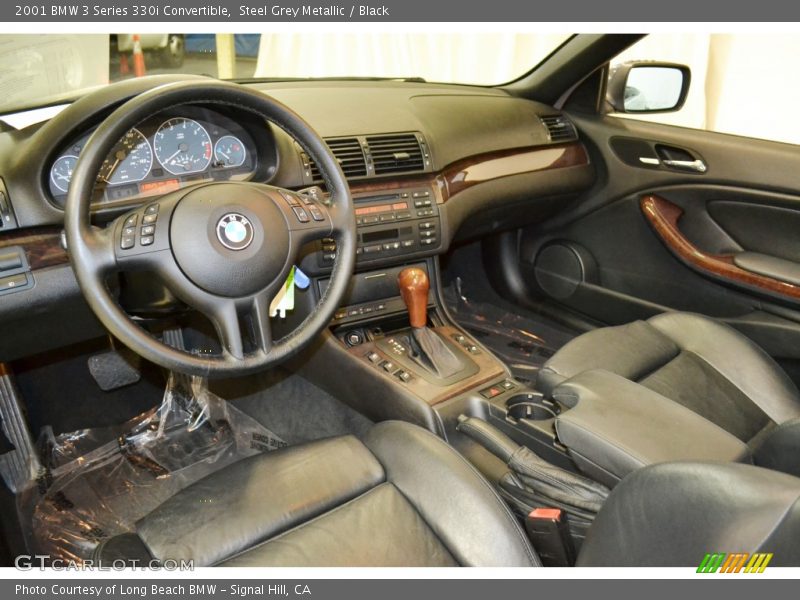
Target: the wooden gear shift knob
(414, 286)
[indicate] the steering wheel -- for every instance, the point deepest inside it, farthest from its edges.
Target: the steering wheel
(223, 248)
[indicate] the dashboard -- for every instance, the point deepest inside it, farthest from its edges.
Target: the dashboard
(429, 165)
(166, 152)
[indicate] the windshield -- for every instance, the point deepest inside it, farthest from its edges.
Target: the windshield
(36, 70)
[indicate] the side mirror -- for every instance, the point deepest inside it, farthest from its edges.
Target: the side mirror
(648, 87)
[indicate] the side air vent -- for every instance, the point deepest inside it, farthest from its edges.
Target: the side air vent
(349, 153)
(396, 153)
(559, 128)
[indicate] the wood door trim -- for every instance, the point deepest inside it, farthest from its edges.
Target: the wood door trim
(663, 216)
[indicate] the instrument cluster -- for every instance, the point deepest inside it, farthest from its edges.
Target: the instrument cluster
(164, 153)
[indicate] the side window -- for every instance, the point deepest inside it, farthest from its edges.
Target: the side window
(741, 84)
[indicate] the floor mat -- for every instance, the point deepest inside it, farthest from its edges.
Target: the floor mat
(294, 408)
(523, 342)
(90, 489)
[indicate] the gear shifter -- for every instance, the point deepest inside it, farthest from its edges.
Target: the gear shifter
(427, 349)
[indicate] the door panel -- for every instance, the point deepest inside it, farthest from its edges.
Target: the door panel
(720, 240)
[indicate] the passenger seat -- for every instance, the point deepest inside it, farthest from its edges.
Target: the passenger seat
(703, 365)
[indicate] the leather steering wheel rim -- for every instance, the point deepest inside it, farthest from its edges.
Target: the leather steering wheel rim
(94, 252)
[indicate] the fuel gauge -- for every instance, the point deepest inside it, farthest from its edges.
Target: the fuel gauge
(229, 151)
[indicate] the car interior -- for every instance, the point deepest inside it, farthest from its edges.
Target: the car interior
(388, 322)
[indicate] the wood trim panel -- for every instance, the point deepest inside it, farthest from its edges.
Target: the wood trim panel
(482, 168)
(663, 216)
(489, 369)
(479, 169)
(42, 246)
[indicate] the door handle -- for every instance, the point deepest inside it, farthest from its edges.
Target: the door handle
(698, 166)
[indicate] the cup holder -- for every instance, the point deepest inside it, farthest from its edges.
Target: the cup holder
(531, 406)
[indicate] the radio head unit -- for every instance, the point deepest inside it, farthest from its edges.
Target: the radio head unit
(391, 225)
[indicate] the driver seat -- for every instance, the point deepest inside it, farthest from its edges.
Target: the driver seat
(402, 497)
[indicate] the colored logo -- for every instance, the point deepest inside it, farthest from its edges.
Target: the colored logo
(738, 562)
(235, 231)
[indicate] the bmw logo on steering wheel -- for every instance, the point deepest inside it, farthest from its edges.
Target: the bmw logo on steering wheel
(235, 231)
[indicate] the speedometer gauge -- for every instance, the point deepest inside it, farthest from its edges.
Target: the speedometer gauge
(130, 160)
(229, 151)
(61, 172)
(182, 146)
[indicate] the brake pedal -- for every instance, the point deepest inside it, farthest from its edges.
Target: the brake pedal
(115, 369)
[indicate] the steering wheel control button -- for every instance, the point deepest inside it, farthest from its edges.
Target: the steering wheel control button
(146, 240)
(151, 218)
(301, 214)
(131, 221)
(147, 230)
(128, 231)
(151, 210)
(316, 213)
(127, 242)
(290, 200)
(235, 231)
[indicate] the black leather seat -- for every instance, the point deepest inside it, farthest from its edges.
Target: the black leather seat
(403, 497)
(702, 364)
(672, 514)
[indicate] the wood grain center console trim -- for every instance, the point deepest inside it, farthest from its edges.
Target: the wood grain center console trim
(663, 216)
(489, 369)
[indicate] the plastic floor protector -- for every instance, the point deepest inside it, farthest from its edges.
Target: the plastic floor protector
(524, 343)
(96, 483)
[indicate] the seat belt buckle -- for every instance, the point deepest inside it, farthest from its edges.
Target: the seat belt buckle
(549, 533)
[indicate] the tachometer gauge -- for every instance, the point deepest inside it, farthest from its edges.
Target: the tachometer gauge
(61, 172)
(182, 146)
(130, 160)
(229, 151)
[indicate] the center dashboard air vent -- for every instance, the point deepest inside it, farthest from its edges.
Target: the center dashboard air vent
(349, 153)
(559, 128)
(396, 153)
(384, 154)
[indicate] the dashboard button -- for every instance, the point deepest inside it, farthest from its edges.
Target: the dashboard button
(427, 241)
(301, 214)
(370, 220)
(407, 243)
(371, 249)
(387, 217)
(404, 214)
(15, 281)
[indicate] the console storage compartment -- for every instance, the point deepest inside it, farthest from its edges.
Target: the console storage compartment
(612, 426)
